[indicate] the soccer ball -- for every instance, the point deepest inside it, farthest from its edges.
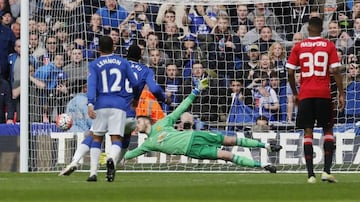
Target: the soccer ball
(64, 121)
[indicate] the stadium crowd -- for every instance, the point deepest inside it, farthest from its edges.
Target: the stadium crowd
(246, 45)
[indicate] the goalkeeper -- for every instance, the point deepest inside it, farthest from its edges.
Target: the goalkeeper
(163, 137)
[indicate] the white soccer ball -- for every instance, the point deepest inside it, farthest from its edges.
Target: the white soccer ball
(64, 121)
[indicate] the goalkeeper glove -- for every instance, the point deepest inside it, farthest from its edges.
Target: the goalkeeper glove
(201, 85)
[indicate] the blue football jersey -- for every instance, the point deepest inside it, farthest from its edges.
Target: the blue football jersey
(111, 82)
(145, 76)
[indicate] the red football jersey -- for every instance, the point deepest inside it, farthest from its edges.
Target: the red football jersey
(315, 56)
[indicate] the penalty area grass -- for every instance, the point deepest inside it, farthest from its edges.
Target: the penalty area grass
(170, 187)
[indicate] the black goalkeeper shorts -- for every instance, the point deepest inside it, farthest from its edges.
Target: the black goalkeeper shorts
(315, 110)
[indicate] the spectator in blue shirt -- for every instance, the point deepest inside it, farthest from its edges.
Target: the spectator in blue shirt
(112, 14)
(7, 42)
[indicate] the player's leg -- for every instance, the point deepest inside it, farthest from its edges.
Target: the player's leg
(251, 143)
(116, 123)
(81, 150)
(325, 120)
(99, 128)
(305, 119)
(130, 126)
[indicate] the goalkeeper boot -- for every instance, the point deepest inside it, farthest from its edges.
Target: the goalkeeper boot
(68, 170)
(92, 178)
(270, 168)
(110, 173)
(274, 148)
(311, 180)
(328, 177)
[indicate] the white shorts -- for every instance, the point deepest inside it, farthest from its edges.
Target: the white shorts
(109, 120)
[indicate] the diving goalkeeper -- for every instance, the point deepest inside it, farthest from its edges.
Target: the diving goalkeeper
(163, 137)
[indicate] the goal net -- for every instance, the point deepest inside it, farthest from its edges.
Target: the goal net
(246, 44)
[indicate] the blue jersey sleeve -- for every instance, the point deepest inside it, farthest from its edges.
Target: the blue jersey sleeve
(91, 84)
(154, 87)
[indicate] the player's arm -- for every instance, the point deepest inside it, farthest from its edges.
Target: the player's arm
(184, 105)
(154, 87)
(134, 153)
(292, 63)
(91, 85)
(339, 84)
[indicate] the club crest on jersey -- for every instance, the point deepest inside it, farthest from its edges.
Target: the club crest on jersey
(158, 128)
(161, 137)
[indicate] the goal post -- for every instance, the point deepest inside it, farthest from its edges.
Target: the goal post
(64, 32)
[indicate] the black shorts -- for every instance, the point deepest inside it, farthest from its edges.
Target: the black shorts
(315, 109)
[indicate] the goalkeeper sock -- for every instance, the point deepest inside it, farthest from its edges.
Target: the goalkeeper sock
(328, 151)
(247, 142)
(309, 152)
(95, 153)
(243, 161)
(83, 148)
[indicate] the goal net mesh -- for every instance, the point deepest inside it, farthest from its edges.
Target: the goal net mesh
(245, 44)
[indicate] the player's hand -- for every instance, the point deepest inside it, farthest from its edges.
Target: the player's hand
(91, 112)
(341, 102)
(296, 100)
(203, 84)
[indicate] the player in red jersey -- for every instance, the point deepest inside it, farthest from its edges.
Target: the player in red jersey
(316, 56)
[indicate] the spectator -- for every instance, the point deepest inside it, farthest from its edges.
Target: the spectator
(240, 104)
(126, 39)
(32, 26)
(4, 6)
(251, 62)
(199, 21)
(77, 68)
(152, 42)
(52, 48)
(340, 38)
(265, 40)
(277, 55)
(52, 13)
(15, 8)
(172, 86)
(77, 108)
(168, 13)
(157, 65)
(6, 105)
(191, 52)
(241, 31)
(43, 32)
(73, 15)
(262, 9)
(136, 18)
(293, 16)
(115, 36)
(267, 99)
(225, 49)
(34, 48)
(14, 78)
(7, 18)
(261, 124)
(172, 44)
(212, 101)
(297, 37)
(112, 14)
(304, 28)
(36, 91)
(291, 108)
(15, 27)
(7, 43)
(94, 29)
(241, 18)
(49, 75)
(254, 34)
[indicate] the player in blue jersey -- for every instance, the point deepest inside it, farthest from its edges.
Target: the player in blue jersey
(145, 76)
(109, 97)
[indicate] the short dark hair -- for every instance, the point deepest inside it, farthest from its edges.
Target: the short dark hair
(106, 44)
(315, 25)
(145, 117)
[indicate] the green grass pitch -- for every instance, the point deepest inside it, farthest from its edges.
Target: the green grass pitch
(48, 187)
